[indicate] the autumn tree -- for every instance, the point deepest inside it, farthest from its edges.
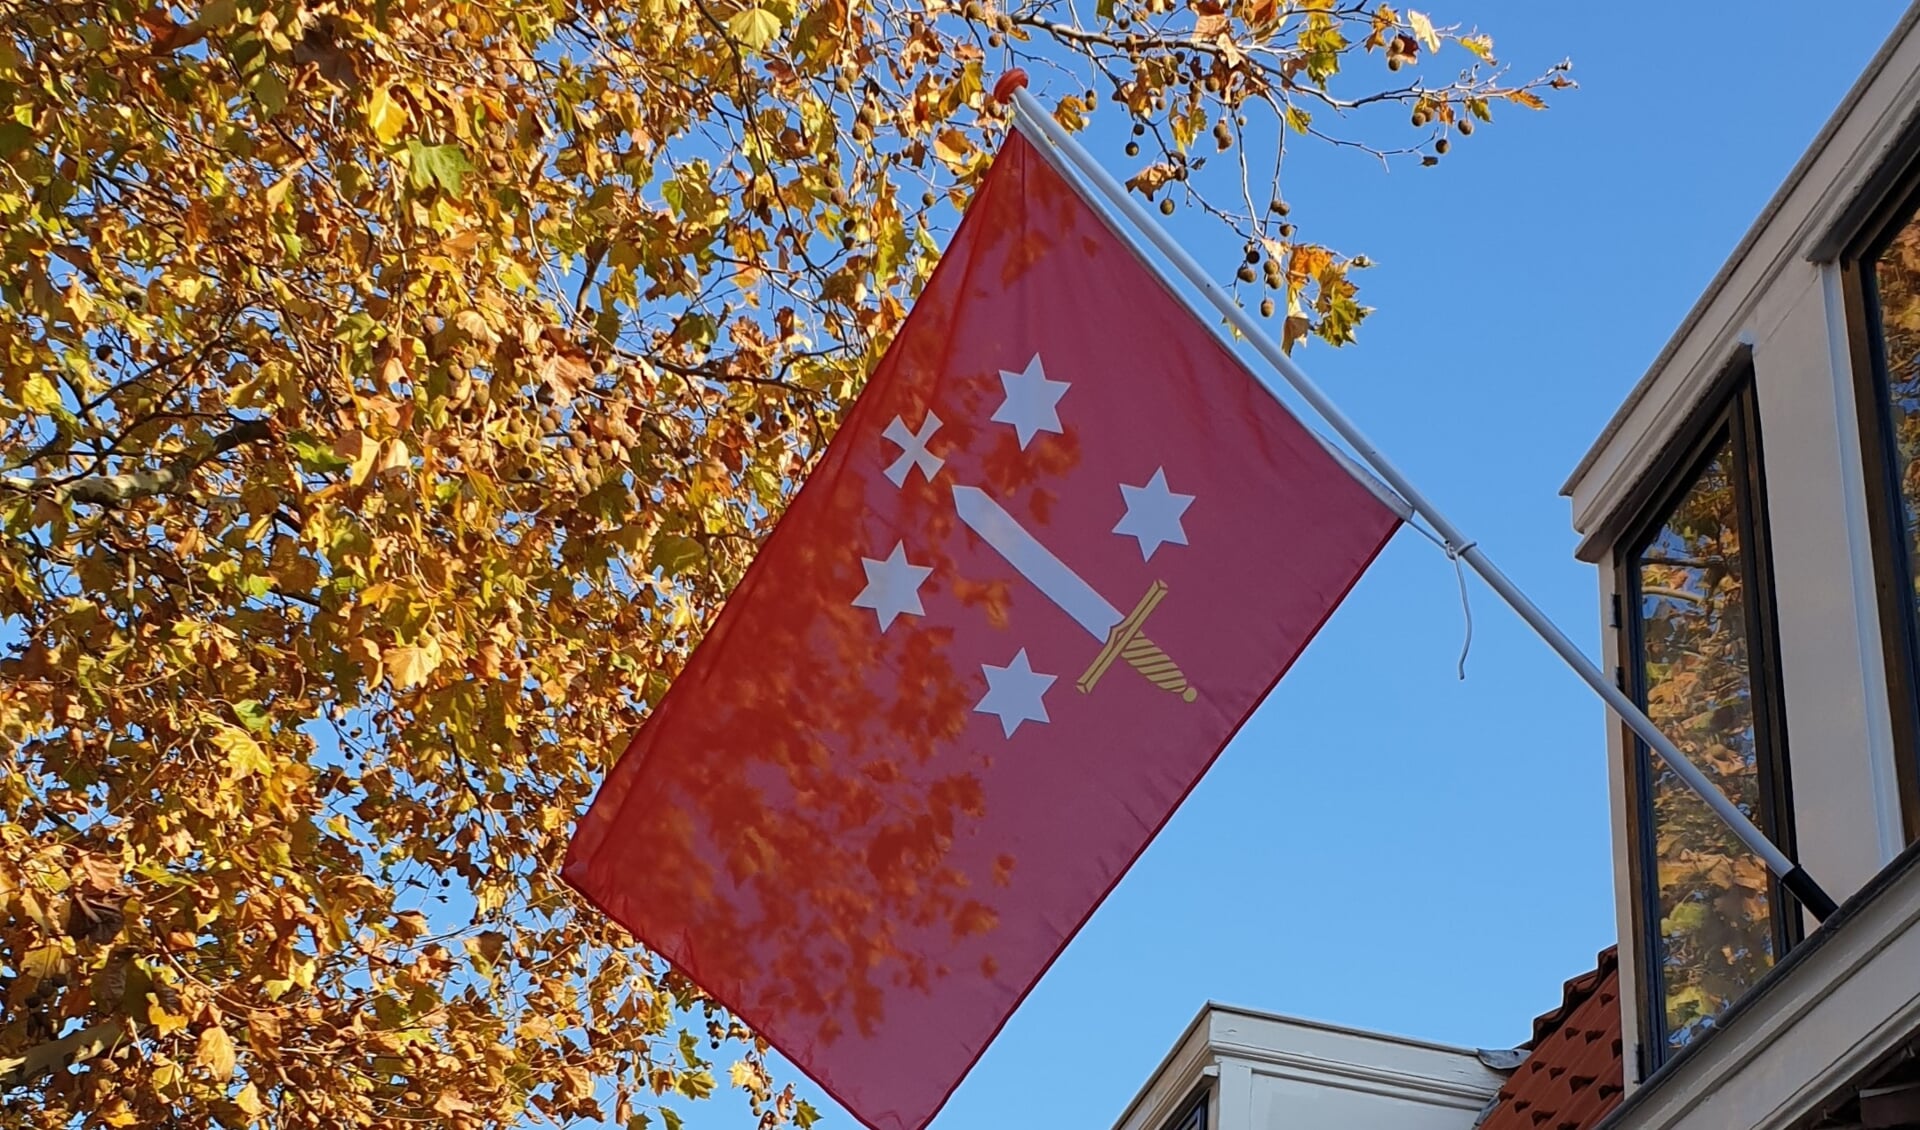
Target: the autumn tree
(390, 391)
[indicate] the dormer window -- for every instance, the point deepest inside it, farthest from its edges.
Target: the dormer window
(1698, 635)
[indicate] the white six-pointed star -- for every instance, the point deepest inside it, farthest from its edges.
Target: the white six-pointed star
(1032, 403)
(1013, 693)
(1153, 514)
(893, 586)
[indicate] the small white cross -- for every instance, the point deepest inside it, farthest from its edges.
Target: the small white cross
(913, 449)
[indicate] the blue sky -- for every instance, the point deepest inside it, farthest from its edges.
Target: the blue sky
(1385, 846)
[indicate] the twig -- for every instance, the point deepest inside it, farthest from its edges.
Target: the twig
(112, 490)
(87, 1043)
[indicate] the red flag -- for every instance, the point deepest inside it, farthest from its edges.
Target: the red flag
(1061, 548)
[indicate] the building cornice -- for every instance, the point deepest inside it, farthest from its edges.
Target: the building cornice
(1814, 228)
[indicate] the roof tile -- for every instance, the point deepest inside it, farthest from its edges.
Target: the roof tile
(1557, 1084)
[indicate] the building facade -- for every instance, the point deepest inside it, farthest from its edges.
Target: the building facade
(1753, 510)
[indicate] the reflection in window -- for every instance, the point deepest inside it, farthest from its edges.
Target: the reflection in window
(1896, 275)
(1894, 310)
(1714, 935)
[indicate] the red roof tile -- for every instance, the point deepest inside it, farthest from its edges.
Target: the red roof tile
(1572, 1078)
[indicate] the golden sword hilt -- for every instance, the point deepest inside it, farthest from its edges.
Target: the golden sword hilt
(1126, 642)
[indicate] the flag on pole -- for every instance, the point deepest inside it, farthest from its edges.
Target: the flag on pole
(1061, 548)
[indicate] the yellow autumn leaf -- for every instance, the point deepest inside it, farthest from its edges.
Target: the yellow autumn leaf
(244, 755)
(163, 1021)
(248, 1100)
(453, 1107)
(1148, 180)
(747, 1076)
(42, 962)
(386, 117)
(1423, 30)
(358, 450)
(409, 665)
(754, 28)
(473, 324)
(1481, 45)
(393, 457)
(535, 1029)
(215, 1052)
(952, 147)
(39, 395)
(393, 371)
(409, 924)
(78, 302)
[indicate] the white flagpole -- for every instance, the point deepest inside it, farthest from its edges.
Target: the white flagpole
(1056, 144)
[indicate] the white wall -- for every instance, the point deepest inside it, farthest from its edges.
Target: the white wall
(1846, 833)
(1269, 1072)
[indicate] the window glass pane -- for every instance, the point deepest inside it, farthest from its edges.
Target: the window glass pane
(1897, 283)
(1714, 933)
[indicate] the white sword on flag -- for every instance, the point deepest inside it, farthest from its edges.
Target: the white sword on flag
(1120, 635)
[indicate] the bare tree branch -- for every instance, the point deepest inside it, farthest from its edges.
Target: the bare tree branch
(20, 1070)
(113, 490)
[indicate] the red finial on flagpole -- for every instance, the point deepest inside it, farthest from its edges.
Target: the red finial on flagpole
(1011, 81)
